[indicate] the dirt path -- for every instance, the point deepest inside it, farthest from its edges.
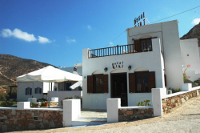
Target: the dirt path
(183, 119)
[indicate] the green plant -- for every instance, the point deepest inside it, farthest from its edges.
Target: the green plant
(2, 97)
(77, 97)
(42, 100)
(185, 77)
(33, 105)
(175, 90)
(144, 103)
(7, 103)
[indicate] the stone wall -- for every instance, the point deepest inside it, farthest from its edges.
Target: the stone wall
(131, 114)
(172, 102)
(16, 120)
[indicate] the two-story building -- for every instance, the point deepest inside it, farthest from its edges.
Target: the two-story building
(152, 58)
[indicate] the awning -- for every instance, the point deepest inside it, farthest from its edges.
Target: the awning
(77, 84)
(49, 74)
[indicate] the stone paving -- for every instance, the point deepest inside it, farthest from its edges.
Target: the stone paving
(91, 117)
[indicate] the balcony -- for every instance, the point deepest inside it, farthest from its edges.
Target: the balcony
(119, 50)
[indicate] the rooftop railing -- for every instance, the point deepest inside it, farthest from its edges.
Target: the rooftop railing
(109, 51)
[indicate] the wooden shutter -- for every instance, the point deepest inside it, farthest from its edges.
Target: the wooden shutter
(151, 80)
(132, 86)
(105, 83)
(89, 84)
(137, 44)
(40, 90)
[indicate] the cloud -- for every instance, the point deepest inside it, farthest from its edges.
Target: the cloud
(89, 27)
(196, 21)
(43, 40)
(111, 43)
(70, 40)
(6, 33)
(17, 33)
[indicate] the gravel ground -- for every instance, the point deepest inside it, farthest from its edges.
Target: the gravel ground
(181, 120)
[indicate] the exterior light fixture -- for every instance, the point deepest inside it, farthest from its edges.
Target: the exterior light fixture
(129, 67)
(105, 69)
(75, 68)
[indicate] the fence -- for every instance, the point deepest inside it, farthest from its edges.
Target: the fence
(25, 118)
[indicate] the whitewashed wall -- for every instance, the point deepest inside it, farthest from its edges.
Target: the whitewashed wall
(150, 60)
(190, 55)
(21, 90)
(170, 43)
(21, 96)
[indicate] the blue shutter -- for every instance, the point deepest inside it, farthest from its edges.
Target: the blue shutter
(30, 91)
(35, 90)
(40, 90)
(26, 91)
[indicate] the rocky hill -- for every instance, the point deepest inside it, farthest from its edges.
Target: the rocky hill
(193, 33)
(12, 67)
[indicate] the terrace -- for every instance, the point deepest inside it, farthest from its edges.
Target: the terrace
(121, 49)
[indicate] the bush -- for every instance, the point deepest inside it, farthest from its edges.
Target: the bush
(2, 97)
(42, 100)
(7, 103)
(144, 103)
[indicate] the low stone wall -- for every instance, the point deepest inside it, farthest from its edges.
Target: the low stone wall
(130, 114)
(16, 120)
(172, 102)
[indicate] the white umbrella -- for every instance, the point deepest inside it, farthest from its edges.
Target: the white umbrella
(49, 74)
(77, 84)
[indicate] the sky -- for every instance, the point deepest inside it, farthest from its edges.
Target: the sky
(56, 32)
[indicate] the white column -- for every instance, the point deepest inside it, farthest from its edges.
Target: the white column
(113, 104)
(71, 110)
(186, 86)
(157, 101)
(23, 105)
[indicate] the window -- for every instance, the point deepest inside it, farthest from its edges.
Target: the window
(146, 45)
(28, 91)
(143, 45)
(97, 83)
(38, 90)
(140, 82)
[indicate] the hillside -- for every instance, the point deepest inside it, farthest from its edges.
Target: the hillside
(193, 33)
(12, 67)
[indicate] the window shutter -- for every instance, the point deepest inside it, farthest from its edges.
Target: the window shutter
(151, 81)
(137, 44)
(132, 83)
(35, 90)
(89, 84)
(105, 83)
(30, 91)
(40, 90)
(26, 91)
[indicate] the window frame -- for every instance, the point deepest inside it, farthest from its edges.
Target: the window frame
(142, 84)
(99, 87)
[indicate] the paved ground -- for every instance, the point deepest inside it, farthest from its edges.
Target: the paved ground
(183, 119)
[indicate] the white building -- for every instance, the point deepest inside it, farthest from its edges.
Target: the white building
(153, 58)
(46, 83)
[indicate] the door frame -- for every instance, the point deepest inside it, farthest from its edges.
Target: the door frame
(111, 84)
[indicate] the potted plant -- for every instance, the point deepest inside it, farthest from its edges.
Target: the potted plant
(46, 104)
